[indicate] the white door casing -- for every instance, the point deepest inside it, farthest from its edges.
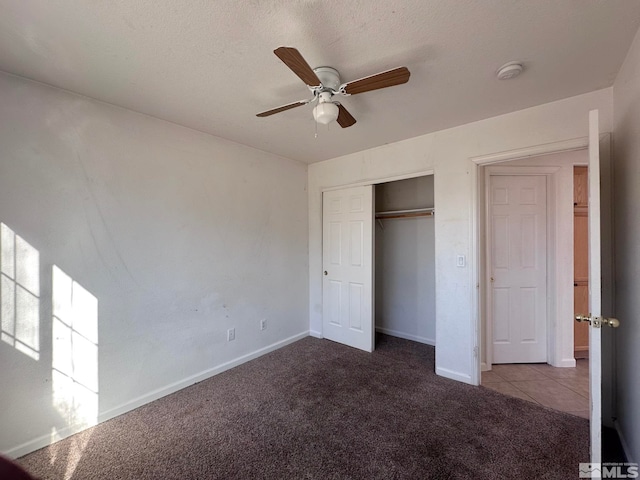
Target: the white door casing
(595, 291)
(518, 267)
(347, 257)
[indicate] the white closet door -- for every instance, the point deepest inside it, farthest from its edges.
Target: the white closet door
(347, 249)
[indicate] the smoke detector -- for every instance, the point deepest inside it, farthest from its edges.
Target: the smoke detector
(509, 70)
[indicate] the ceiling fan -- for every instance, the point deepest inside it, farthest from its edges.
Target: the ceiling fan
(324, 83)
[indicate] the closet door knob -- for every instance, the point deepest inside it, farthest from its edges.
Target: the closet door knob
(326, 273)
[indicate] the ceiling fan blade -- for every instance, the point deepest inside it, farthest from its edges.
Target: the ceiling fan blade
(283, 108)
(296, 62)
(397, 76)
(345, 119)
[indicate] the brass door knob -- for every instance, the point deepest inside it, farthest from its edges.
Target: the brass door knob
(597, 322)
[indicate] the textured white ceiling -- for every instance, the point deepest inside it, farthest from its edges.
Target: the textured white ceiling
(208, 64)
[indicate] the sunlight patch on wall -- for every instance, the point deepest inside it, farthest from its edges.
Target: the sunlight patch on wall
(19, 293)
(75, 351)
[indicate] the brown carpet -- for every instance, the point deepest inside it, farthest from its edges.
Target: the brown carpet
(319, 410)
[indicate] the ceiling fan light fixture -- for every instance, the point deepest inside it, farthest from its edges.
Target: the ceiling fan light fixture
(325, 112)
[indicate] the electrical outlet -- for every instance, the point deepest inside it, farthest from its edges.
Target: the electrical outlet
(231, 334)
(263, 324)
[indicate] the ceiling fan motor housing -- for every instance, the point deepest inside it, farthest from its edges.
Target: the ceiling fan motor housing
(329, 77)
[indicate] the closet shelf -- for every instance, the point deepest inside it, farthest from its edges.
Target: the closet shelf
(415, 212)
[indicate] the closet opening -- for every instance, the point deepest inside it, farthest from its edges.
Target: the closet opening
(404, 259)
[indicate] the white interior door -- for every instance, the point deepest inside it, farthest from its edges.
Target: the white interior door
(595, 290)
(518, 283)
(347, 257)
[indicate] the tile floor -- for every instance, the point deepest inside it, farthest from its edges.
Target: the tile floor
(564, 389)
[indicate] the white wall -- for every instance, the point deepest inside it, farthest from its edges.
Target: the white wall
(177, 235)
(447, 154)
(405, 262)
(626, 167)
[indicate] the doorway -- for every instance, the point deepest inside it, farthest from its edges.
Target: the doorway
(557, 170)
(406, 285)
(600, 274)
(538, 380)
(405, 259)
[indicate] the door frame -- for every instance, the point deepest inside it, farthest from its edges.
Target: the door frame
(477, 227)
(551, 245)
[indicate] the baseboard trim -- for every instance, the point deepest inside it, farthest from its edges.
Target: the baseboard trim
(199, 377)
(460, 377)
(46, 440)
(623, 442)
(406, 336)
(566, 363)
(315, 334)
